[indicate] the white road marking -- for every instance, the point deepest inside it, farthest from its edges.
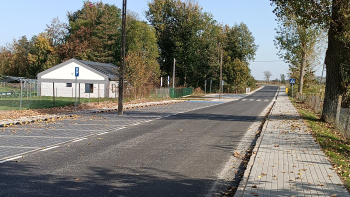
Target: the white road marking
(12, 136)
(244, 99)
(18, 147)
(266, 100)
(77, 140)
(46, 149)
(259, 100)
(103, 133)
(251, 99)
(10, 159)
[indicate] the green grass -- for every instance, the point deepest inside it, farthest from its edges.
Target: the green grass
(335, 146)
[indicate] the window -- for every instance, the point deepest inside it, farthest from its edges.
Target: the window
(89, 88)
(69, 85)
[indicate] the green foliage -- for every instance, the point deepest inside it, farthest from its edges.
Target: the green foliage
(195, 40)
(298, 45)
(94, 33)
(142, 68)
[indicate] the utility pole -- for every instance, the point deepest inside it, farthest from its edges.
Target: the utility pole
(122, 62)
(220, 76)
(174, 74)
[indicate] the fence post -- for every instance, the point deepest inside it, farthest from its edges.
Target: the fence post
(337, 117)
(20, 102)
(98, 93)
(53, 92)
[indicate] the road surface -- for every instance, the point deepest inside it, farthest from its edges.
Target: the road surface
(177, 155)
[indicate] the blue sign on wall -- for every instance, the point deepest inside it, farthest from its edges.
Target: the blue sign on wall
(77, 71)
(292, 81)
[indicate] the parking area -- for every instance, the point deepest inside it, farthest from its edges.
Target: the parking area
(21, 139)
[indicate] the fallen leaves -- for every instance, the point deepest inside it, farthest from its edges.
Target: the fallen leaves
(237, 154)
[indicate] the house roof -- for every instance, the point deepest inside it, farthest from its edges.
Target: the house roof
(111, 70)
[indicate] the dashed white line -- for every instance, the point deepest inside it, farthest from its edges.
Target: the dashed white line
(251, 99)
(103, 133)
(244, 99)
(266, 100)
(258, 100)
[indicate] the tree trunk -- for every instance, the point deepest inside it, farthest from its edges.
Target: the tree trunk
(333, 61)
(302, 68)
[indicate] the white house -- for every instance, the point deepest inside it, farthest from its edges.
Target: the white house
(95, 80)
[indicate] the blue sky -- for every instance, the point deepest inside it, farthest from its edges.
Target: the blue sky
(20, 17)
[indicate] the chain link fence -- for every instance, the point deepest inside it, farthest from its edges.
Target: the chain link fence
(33, 95)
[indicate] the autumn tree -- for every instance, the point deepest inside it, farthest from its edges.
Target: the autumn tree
(142, 68)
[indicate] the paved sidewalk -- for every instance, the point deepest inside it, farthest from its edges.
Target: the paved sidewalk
(287, 161)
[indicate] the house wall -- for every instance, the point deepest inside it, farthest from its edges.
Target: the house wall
(61, 90)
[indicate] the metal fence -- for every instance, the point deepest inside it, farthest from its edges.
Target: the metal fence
(315, 101)
(33, 95)
(180, 92)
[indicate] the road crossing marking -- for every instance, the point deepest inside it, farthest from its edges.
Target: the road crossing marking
(266, 100)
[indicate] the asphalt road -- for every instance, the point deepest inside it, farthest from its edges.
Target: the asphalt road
(179, 155)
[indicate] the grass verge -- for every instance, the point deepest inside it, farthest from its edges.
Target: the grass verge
(334, 145)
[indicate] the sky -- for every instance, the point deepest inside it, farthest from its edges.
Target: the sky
(22, 17)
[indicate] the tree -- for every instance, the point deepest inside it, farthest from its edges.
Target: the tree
(94, 33)
(196, 40)
(297, 46)
(186, 33)
(283, 79)
(56, 31)
(267, 75)
(333, 15)
(142, 68)
(240, 43)
(42, 55)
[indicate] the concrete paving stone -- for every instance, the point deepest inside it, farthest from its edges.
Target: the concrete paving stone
(302, 169)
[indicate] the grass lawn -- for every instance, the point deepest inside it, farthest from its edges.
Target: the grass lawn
(335, 146)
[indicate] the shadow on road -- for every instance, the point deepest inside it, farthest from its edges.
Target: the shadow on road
(20, 179)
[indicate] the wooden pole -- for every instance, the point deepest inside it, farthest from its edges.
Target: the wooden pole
(122, 61)
(220, 77)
